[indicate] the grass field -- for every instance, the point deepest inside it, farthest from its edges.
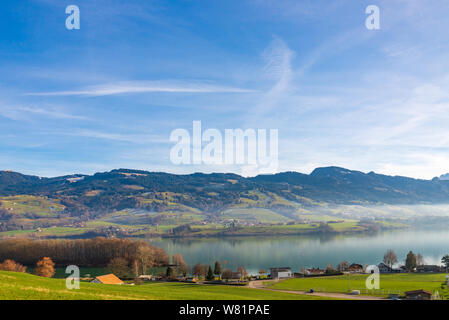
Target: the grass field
(389, 283)
(20, 286)
(254, 214)
(22, 204)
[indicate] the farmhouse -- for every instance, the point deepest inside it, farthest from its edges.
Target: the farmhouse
(107, 279)
(356, 268)
(277, 273)
(313, 271)
(383, 268)
(232, 277)
(429, 268)
(418, 295)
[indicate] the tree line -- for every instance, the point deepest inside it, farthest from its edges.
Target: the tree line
(98, 252)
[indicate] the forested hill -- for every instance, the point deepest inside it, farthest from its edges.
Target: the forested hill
(123, 188)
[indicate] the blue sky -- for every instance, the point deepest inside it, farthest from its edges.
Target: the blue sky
(109, 95)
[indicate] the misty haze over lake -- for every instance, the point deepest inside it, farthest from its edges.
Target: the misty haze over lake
(308, 251)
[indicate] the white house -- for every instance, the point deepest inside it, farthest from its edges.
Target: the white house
(277, 273)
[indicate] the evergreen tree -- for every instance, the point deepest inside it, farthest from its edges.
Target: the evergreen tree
(445, 261)
(169, 272)
(210, 274)
(410, 261)
(217, 268)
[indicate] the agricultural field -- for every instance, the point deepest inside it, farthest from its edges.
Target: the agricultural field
(23, 286)
(254, 215)
(26, 204)
(389, 284)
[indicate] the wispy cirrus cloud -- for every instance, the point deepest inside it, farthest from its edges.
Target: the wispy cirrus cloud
(119, 137)
(26, 113)
(278, 58)
(136, 87)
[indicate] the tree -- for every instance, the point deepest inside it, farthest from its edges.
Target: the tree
(169, 273)
(210, 274)
(145, 258)
(217, 268)
(419, 260)
(390, 258)
(445, 261)
(343, 266)
(45, 268)
(96, 252)
(330, 268)
(410, 261)
(11, 265)
(199, 270)
(242, 272)
(226, 274)
(118, 266)
(325, 228)
(178, 260)
(262, 272)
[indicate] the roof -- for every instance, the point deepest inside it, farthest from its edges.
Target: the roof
(417, 292)
(383, 265)
(109, 279)
(235, 275)
(314, 270)
(356, 265)
(280, 269)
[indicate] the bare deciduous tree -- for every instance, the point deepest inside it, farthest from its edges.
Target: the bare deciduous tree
(343, 266)
(226, 274)
(199, 270)
(119, 267)
(419, 259)
(242, 272)
(178, 260)
(145, 258)
(390, 258)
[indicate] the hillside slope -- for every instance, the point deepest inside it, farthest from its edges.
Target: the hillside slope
(125, 197)
(23, 286)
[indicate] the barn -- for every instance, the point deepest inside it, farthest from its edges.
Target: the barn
(107, 279)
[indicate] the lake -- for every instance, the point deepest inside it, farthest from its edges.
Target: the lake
(256, 253)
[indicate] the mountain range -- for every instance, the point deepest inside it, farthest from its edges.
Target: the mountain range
(156, 191)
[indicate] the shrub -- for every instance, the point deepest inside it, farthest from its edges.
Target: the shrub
(11, 265)
(45, 268)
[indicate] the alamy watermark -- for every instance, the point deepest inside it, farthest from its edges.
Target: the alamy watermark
(372, 22)
(73, 280)
(373, 280)
(73, 20)
(255, 150)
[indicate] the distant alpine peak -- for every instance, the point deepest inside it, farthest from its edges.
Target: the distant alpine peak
(444, 176)
(333, 171)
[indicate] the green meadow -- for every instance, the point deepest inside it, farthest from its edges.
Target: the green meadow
(389, 284)
(23, 286)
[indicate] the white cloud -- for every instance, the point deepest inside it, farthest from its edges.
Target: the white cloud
(27, 113)
(145, 87)
(121, 137)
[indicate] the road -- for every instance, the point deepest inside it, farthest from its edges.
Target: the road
(258, 284)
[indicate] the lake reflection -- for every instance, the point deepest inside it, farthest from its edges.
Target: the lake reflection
(306, 251)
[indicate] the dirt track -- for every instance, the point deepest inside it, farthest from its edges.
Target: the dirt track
(258, 284)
